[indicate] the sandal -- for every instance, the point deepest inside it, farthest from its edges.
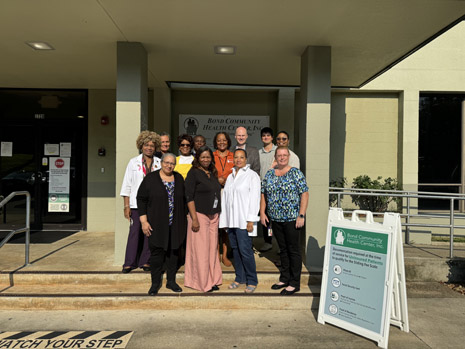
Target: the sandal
(250, 289)
(234, 285)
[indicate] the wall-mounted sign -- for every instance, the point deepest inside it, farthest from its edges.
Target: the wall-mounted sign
(209, 125)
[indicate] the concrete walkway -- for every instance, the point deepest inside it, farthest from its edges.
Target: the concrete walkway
(436, 313)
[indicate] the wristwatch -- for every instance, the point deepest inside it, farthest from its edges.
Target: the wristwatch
(301, 216)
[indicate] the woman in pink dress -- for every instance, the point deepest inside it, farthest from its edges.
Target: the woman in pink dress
(203, 195)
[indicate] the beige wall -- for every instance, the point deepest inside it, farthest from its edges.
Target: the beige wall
(101, 186)
(439, 66)
(364, 135)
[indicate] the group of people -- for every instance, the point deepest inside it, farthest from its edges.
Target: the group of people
(180, 206)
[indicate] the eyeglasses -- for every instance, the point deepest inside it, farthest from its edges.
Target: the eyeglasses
(169, 163)
(185, 145)
(281, 138)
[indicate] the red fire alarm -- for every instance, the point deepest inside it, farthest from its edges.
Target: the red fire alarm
(104, 120)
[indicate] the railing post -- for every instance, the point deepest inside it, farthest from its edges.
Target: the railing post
(451, 242)
(407, 227)
(28, 228)
(339, 200)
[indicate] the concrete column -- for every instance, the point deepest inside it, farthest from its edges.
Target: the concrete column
(409, 106)
(131, 119)
(407, 160)
(313, 147)
(162, 109)
(286, 106)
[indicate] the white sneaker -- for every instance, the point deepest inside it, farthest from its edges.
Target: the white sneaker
(266, 247)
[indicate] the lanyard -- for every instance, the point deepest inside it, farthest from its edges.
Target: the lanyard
(225, 160)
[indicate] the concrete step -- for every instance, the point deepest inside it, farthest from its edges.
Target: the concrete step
(115, 278)
(114, 290)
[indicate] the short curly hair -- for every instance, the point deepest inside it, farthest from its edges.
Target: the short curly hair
(148, 136)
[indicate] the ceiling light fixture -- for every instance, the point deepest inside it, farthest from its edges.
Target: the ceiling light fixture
(37, 45)
(225, 50)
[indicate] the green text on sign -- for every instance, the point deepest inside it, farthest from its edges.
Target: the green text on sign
(360, 239)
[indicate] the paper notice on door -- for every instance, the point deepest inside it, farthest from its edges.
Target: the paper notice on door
(65, 149)
(52, 149)
(7, 149)
(58, 186)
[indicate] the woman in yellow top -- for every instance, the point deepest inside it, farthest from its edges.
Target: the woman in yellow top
(184, 161)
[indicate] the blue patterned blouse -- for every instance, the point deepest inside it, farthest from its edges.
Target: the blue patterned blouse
(283, 194)
(170, 190)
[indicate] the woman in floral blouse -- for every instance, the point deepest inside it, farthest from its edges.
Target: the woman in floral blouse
(284, 199)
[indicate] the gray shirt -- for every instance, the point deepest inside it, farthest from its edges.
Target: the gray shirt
(266, 159)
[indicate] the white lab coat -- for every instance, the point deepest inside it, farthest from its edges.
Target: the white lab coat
(134, 176)
(240, 201)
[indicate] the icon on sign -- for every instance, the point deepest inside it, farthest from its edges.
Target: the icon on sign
(53, 198)
(336, 282)
(64, 207)
(340, 236)
(337, 269)
(333, 309)
(334, 296)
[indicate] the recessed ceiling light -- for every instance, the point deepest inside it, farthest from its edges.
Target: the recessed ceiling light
(225, 50)
(37, 45)
(80, 116)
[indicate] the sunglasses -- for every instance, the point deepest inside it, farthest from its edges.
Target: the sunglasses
(282, 138)
(185, 145)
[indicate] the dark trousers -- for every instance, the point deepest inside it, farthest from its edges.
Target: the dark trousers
(137, 247)
(160, 258)
(288, 238)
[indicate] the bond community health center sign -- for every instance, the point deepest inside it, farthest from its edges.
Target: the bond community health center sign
(209, 125)
(363, 287)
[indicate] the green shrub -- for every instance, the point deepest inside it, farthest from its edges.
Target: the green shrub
(374, 203)
(337, 183)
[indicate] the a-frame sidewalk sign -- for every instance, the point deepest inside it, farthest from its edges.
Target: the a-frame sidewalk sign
(363, 287)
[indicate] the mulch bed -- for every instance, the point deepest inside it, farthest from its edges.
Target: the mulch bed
(460, 287)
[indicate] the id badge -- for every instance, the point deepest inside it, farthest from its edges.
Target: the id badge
(215, 203)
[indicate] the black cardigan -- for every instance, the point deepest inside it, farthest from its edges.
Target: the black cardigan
(152, 200)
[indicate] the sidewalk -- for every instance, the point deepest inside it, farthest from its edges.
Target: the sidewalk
(436, 313)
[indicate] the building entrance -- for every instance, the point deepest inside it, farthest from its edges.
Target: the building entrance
(44, 152)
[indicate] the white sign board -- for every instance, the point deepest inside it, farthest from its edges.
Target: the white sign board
(52, 149)
(65, 150)
(58, 186)
(7, 149)
(209, 125)
(358, 275)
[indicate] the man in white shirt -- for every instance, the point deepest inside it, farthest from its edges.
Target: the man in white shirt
(252, 153)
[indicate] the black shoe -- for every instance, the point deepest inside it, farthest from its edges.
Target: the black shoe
(214, 288)
(153, 291)
(289, 293)
(277, 286)
(146, 268)
(127, 270)
(173, 286)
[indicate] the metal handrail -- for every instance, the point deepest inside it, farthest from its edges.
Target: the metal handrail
(26, 229)
(408, 195)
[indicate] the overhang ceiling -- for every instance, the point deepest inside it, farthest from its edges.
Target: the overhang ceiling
(179, 35)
